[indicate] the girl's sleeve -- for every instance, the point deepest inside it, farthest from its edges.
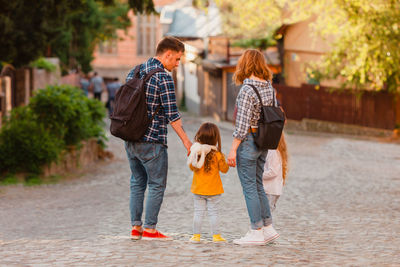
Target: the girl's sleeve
(272, 166)
(222, 165)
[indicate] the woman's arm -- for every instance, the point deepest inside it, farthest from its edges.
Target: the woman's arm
(232, 154)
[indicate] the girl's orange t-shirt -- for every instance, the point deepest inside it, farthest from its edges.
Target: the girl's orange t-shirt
(209, 183)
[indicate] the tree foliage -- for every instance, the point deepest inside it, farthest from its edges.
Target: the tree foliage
(69, 29)
(250, 19)
(26, 27)
(365, 54)
(367, 33)
(56, 117)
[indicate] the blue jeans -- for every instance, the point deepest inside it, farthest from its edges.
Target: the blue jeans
(149, 167)
(250, 167)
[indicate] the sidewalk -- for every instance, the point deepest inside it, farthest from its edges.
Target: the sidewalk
(340, 207)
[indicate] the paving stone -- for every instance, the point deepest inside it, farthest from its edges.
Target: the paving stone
(340, 207)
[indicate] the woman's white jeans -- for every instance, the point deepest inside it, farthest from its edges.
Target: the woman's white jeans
(202, 204)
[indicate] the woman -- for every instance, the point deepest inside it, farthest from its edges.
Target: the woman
(252, 69)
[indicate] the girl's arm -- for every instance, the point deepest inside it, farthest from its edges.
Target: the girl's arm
(272, 166)
(222, 165)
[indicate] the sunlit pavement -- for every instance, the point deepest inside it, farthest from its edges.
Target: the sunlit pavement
(341, 206)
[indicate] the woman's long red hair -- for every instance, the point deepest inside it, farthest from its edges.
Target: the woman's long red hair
(251, 62)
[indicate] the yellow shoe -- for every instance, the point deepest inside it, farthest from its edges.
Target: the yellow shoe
(195, 238)
(218, 238)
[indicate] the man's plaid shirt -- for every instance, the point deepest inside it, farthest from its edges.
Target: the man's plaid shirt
(249, 106)
(160, 90)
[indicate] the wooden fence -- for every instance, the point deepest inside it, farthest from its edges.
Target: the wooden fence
(370, 109)
(5, 97)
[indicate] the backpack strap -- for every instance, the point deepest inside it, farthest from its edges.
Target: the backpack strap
(146, 78)
(151, 73)
(259, 97)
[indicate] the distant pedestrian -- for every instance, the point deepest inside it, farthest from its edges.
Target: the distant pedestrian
(112, 88)
(275, 171)
(84, 83)
(148, 158)
(206, 161)
(97, 85)
(252, 69)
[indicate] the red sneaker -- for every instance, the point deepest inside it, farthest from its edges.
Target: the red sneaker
(136, 235)
(155, 236)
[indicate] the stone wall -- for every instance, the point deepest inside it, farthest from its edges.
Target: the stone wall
(74, 158)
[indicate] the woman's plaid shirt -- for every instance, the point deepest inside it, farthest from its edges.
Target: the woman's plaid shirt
(160, 90)
(249, 106)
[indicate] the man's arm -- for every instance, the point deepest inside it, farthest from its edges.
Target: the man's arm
(177, 126)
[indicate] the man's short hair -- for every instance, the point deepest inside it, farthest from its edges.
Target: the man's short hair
(169, 43)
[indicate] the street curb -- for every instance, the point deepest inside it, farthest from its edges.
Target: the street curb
(317, 126)
(311, 125)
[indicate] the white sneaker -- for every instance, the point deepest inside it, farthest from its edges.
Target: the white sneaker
(253, 237)
(269, 234)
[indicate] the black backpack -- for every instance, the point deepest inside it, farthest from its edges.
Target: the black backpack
(129, 120)
(270, 124)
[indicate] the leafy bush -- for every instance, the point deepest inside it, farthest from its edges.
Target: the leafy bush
(68, 113)
(57, 117)
(42, 63)
(26, 145)
(96, 124)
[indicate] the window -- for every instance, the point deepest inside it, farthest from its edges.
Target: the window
(146, 35)
(108, 47)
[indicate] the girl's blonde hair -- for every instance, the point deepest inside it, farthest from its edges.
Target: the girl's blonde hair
(208, 133)
(282, 148)
(251, 62)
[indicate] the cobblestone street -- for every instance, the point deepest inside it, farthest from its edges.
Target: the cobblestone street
(341, 206)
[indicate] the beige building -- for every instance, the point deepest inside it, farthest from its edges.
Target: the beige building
(301, 47)
(116, 57)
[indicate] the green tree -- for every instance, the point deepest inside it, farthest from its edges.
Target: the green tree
(257, 19)
(87, 25)
(25, 27)
(365, 54)
(249, 19)
(69, 29)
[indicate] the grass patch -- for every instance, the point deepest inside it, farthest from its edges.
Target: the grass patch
(9, 180)
(33, 180)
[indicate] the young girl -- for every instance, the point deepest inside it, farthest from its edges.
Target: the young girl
(275, 170)
(206, 161)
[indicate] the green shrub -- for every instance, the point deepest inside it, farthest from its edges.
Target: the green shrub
(56, 117)
(25, 145)
(68, 113)
(42, 63)
(97, 113)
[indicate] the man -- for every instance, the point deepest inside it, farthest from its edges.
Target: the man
(148, 158)
(112, 88)
(97, 83)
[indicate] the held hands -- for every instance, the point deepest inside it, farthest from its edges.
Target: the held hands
(232, 154)
(231, 160)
